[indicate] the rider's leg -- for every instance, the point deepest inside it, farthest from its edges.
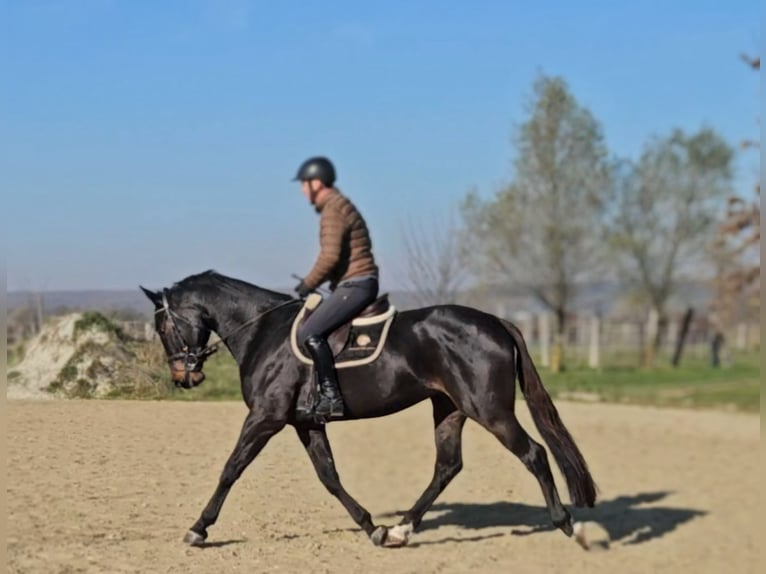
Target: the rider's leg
(330, 402)
(344, 304)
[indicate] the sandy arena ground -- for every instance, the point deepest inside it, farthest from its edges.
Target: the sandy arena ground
(113, 486)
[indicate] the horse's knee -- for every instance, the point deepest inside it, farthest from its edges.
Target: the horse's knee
(333, 488)
(449, 471)
(330, 479)
(535, 459)
(230, 474)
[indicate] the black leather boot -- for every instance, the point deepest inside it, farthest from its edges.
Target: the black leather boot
(330, 402)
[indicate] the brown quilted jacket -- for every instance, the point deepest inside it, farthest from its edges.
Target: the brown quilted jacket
(346, 247)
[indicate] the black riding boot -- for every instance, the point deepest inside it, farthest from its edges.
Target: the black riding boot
(330, 402)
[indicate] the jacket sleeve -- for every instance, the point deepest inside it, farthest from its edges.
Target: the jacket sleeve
(331, 232)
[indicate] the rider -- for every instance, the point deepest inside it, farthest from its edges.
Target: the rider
(346, 261)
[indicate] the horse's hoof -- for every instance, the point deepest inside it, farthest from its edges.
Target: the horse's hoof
(398, 535)
(594, 537)
(194, 539)
(567, 528)
(565, 525)
(379, 535)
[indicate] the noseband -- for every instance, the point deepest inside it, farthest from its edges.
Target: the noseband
(193, 357)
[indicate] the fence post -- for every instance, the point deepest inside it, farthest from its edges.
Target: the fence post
(741, 337)
(581, 336)
(682, 337)
(671, 334)
(754, 336)
(527, 325)
(545, 339)
(594, 350)
(652, 324)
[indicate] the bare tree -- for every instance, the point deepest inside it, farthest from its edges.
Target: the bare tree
(664, 214)
(739, 245)
(22, 324)
(541, 231)
(433, 270)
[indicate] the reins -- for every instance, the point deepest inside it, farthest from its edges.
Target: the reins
(246, 324)
(208, 350)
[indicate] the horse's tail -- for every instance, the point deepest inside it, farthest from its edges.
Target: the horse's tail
(582, 489)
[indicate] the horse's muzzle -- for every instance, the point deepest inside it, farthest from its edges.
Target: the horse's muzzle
(184, 378)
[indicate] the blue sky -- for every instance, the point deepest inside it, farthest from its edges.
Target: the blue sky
(144, 141)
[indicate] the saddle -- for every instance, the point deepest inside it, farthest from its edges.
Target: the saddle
(358, 341)
(377, 307)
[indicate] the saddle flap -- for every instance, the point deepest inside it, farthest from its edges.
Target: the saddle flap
(368, 329)
(337, 339)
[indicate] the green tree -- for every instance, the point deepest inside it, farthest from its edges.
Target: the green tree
(541, 231)
(664, 214)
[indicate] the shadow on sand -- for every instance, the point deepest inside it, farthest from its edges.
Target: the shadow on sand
(625, 518)
(219, 544)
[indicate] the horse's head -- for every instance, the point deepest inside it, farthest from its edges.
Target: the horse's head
(184, 336)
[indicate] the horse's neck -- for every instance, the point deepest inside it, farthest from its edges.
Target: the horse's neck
(238, 324)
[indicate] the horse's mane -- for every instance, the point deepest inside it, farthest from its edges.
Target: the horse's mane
(211, 282)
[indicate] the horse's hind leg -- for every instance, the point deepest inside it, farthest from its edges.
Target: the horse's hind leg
(448, 428)
(511, 434)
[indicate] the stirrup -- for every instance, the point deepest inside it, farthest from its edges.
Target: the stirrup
(333, 406)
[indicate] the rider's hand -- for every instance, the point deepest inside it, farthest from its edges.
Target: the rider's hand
(302, 290)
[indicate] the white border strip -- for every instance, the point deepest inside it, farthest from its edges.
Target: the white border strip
(388, 317)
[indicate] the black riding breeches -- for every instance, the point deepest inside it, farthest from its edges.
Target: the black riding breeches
(346, 302)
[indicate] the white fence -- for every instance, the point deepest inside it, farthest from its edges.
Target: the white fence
(593, 341)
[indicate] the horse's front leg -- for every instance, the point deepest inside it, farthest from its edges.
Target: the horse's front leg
(258, 428)
(318, 448)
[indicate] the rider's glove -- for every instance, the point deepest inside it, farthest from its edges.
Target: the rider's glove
(302, 290)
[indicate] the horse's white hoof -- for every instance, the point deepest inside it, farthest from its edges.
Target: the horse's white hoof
(591, 535)
(379, 535)
(194, 539)
(399, 535)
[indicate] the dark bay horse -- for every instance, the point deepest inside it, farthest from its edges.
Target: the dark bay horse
(461, 359)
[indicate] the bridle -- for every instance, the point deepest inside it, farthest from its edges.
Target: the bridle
(194, 357)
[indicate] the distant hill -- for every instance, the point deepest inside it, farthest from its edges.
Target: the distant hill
(99, 300)
(133, 300)
(604, 297)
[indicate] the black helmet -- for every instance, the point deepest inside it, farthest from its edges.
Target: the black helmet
(319, 168)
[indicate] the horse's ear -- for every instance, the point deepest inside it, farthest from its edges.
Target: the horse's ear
(154, 296)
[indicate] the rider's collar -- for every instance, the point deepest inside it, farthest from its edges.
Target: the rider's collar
(326, 197)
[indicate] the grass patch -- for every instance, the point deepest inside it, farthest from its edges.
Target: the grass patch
(94, 320)
(221, 382)
(693, 385)
(16, 354)
(150, 378)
